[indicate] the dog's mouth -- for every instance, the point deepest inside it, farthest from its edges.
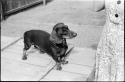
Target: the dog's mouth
(70, 35)
(67, 37)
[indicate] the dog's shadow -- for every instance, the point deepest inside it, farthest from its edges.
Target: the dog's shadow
(94, 46)
(32, 50)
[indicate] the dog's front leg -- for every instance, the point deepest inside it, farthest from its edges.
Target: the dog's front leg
(58, 66)
(63, 60)
(24, 55)
(58, 62)
(62, 57)
(67, 54)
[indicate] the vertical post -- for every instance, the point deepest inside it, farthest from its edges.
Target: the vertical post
(2, 10)
(44, 2)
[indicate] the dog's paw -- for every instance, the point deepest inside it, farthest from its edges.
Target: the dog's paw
(64, 62)
(24, 58)
(59, 68)
(42, 52)
(36, 47)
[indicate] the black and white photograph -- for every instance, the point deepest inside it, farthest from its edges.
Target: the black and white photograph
(62, 40)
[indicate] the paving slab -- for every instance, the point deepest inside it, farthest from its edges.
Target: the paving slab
(81, 62)
(13, 68)
(39, 66)
(55, 75)
(5, 41)
(83, 56)
(75, 68)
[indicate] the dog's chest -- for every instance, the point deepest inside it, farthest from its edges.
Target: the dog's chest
(61, 47)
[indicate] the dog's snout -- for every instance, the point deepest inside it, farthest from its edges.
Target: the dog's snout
(74, 34)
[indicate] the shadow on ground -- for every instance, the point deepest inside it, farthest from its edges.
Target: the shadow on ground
(27, 8)
(94, 46)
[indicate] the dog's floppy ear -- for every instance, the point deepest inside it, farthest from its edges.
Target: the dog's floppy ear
(55, 28)
(53, 36)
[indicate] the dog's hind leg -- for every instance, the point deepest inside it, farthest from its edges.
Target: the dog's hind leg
(24, 55)
(35, 46)
(27, 45)
(41, 50)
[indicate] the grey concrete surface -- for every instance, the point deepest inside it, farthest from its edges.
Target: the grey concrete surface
(41, 67)
(77, 14)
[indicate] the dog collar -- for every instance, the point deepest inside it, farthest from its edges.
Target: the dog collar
(55, 40)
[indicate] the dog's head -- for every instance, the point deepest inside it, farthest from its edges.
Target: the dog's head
(62, 31)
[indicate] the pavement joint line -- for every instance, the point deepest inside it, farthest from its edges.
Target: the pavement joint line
(47, 73)
(73, 72)
(82, 65)
(68, 52)
(49, 62)
(11, 44)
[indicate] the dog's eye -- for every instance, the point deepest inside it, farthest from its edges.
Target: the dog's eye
(64, 34)
(66, 28)
(65, 31)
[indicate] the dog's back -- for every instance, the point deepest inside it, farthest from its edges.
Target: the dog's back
(36, 35)
(39, 38)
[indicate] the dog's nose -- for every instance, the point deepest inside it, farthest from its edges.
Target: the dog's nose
(74, 34)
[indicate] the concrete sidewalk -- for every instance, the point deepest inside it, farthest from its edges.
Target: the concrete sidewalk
(14, 68)
(39, 67)
(77, 14)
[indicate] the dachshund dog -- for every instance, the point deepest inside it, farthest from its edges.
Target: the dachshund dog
(53, 44)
